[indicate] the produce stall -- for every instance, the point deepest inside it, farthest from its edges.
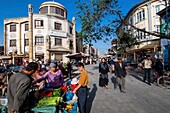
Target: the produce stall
(53, 100)
(49, 100)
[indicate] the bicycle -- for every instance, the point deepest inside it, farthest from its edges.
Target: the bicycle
(164, 80)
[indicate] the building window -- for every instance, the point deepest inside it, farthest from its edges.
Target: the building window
(26, 42)
(12, 28)
(71, 30)
(71, 44)
(158, 28)
(157, 8)
(141, 35)
(62, 12)
(58, 42)
(39, 24)
(44, 10)
(131, 20)
(26, 27)
(52, 10)
(57, 26)
(39, 40)
(13, 43)
(57, 10)
(141, 15)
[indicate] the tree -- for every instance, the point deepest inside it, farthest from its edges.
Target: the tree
(94, 17)
(100, 18)
(126, 40)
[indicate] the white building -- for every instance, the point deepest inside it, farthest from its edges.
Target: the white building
(144, 16)
(53, 36)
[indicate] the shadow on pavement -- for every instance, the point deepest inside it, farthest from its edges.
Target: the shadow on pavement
(90, 99)
(90, 72)
(138, 77)
(95, 67)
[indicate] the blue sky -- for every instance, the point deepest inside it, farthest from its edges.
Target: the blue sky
(19, 8)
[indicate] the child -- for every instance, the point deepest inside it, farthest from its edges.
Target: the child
(74, 84)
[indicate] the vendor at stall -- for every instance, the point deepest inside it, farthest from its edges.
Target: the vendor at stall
(54, 76)
(82, 88)
(38, 75)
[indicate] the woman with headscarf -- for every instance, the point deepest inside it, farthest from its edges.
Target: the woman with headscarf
(103, 70)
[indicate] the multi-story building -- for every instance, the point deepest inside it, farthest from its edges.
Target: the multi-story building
(143, 16)
(48, 35)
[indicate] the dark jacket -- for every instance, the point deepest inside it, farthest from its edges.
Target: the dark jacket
(69, 66)
(120, 71)
(158, 67)
(17, 92)
(103, 68)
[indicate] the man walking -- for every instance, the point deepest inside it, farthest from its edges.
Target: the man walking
(18, 89)
(120, 73)
(82, 88)
(69, 69)
(147, 63)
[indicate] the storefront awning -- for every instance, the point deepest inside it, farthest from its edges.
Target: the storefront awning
(5, 57)
(77, 55)
(144, 46)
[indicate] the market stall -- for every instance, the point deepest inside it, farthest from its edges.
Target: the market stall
(50, 100)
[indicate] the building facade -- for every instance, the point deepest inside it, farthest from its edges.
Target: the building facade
(47, 35)
(143, 16)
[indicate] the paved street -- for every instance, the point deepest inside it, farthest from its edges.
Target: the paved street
(139, 97)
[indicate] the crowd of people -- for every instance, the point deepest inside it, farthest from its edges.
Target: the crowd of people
(117, 67)
(38, 75)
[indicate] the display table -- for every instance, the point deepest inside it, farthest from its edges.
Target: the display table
(49, 109)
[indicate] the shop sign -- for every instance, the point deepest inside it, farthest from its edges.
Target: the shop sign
(165, 28)
(58, 34)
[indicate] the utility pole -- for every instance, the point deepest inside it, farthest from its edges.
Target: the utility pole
(30, 14)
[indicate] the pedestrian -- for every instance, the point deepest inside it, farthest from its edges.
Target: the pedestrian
(158, 68)
(120, 73)
(103, 70)
(147, 64)
(18, 89)
(81, 89)
(112, 63)
(38, 75)
(74, 84)
(54, 76)
(69, 69)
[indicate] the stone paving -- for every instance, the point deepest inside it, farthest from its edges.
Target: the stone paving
(139, 97)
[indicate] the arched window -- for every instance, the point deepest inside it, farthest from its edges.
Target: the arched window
(44, 10)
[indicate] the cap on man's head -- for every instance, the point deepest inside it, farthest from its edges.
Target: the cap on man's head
(53, 65)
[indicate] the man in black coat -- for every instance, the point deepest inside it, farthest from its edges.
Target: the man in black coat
(18, 89)
(120, 73)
